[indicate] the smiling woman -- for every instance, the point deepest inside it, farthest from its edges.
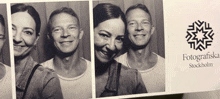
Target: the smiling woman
(30, 76)
(112, 78)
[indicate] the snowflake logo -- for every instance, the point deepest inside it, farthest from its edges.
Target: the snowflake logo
(199, 35)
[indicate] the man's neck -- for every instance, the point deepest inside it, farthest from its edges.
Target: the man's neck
(69, 65)
(141, 59)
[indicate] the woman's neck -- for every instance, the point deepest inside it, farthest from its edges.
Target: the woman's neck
(101, 68)
(20, 63)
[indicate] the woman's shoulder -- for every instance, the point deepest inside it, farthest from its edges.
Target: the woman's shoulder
(128, 70)
(128, 73)
(44, 72)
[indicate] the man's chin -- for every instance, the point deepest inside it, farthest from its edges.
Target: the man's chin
(138, 46)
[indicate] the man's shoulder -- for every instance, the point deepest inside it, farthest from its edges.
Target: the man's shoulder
(160, 60)
(48, 64)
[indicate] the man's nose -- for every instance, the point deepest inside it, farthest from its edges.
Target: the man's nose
(65, 33)
(139, 27)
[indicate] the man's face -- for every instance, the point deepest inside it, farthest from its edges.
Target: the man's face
(2, 36)
(139, 27)
(66, 32)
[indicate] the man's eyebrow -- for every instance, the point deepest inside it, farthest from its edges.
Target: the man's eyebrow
(13, 25)
(130, 21)
(55, 27)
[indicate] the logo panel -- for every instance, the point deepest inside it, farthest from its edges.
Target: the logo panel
(199, 35)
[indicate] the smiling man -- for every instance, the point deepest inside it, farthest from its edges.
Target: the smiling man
(74, 72)
(139, 55)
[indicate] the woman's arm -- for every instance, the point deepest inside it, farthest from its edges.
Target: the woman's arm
(52, 89)
(140, 88)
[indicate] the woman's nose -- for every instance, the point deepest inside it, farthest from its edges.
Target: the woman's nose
(17, 37)
(111, 45)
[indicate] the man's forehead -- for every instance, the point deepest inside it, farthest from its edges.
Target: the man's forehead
(64, 18)
(137, 12)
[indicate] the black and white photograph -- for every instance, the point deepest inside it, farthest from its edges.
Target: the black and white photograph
(109, 49)
(52, 50)
(5, 67)
(129, 47)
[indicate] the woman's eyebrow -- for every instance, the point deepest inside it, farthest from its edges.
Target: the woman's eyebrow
(29, 28)
(107, 32)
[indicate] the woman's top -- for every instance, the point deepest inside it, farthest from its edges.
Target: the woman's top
(123, 81)
(44, 84)
(154, 78)
(79, 87)
(5, 84)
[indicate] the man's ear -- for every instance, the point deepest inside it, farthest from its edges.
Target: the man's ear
(152, 30)
(48, 36)
(81, 34)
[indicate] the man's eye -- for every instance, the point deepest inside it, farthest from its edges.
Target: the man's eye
(145, 22)
(57, 30)
(13, 28)
(131, 23)
(72, 27)
(2, 36)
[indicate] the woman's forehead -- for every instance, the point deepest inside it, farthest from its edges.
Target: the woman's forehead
(23, 19)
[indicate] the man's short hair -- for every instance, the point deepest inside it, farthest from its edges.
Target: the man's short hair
(58, 11)
(139, 6)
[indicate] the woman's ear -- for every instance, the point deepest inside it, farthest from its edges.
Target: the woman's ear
(35, 43)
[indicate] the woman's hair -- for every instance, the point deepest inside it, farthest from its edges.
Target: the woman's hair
(30, 10)
(58, 11)
(106, 11)
(2, 20)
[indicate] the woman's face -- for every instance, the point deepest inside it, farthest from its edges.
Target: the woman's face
(24, 33)
(108, 39)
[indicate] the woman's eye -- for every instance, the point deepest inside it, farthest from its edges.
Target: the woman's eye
(28, 32)
(120, 39)
(103, 35)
